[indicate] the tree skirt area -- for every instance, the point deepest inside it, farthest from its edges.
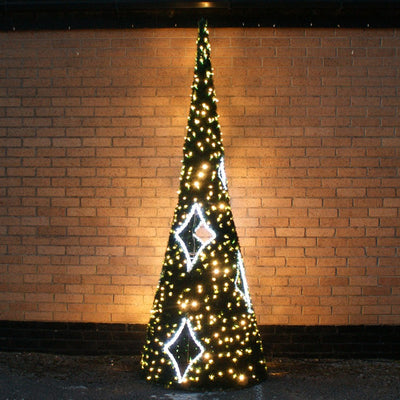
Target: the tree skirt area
(43, 376)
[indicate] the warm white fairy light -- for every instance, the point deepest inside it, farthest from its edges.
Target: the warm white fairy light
(241, 276)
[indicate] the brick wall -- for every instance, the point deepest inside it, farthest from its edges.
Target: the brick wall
(92, 127)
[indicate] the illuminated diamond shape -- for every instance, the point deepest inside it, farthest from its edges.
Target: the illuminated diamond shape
(194, 235)
(241, 283)
(222, 174)
(183, 349)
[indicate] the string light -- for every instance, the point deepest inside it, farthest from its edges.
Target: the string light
(241, 283)
(203, 330)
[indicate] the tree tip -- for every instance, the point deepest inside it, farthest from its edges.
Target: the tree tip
(202, 23)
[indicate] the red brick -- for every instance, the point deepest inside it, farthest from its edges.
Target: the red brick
(316, 203)
(317, 310)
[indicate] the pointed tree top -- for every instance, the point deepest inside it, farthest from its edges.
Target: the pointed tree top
(203, 46)
(202, 24)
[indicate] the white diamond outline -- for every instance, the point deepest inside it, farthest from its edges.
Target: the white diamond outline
(190, 262)
(240, 273)
(222, 174)
(185, 321)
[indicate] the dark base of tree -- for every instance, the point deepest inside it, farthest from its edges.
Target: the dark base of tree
(364, 341)
(207, 385)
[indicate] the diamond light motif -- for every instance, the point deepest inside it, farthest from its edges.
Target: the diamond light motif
(184, 349)
(241, 283)
(222, 174)
(194, 235)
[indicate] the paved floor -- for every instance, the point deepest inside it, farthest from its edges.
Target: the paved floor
(31, 376)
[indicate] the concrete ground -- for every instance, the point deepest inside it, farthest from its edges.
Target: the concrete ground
(33, 376)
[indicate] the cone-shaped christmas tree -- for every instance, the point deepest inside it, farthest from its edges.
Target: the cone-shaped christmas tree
(203, 331)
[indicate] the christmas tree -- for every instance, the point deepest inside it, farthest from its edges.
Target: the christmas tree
(203, 331)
